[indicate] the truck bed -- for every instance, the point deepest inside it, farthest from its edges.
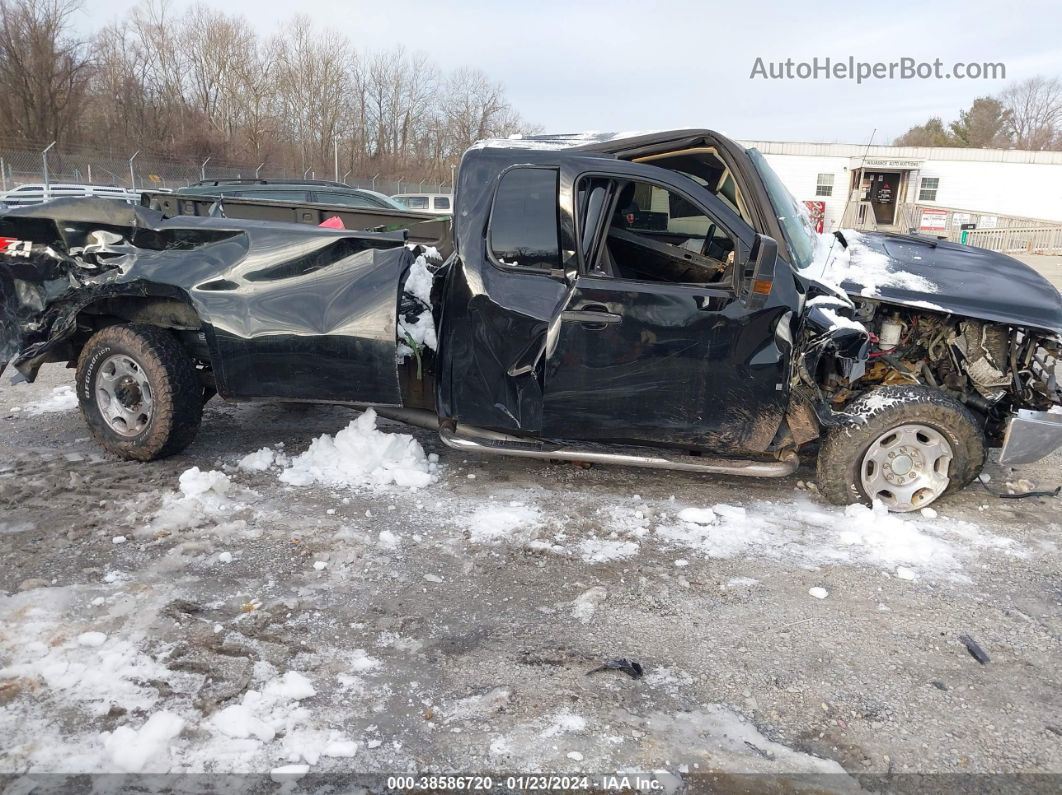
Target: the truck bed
(423, 228)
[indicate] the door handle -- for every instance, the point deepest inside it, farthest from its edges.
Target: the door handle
(591, 315)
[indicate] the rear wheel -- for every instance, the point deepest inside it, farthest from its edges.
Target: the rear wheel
(139, 392)
(908, 446)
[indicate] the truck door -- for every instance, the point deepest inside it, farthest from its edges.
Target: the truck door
(505, 289)
(652, 344)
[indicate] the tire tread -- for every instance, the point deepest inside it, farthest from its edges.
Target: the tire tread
(178, 403)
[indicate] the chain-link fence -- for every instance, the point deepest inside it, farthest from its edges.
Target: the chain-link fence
(136, 171)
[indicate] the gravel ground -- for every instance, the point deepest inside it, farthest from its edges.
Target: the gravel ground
(446, 649)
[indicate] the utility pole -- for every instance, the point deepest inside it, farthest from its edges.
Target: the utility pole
(89, 168)
(3, 174)
(202, 168)
(335, 157)
(132, 175)
(453, 178)
(47, 182)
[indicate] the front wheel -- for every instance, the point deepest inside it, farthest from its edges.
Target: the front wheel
(139, 392)
(906, 446)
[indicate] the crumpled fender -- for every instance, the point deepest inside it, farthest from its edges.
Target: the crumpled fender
(829, 331)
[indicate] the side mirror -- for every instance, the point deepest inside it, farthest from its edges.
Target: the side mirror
(757, 277)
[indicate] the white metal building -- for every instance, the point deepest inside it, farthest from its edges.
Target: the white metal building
(902, 187)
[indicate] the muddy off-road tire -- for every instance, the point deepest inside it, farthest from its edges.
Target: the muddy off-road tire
(139, 392)
(908, 447)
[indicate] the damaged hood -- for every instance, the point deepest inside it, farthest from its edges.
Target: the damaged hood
(945, 277)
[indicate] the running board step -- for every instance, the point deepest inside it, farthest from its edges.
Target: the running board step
(523, 448)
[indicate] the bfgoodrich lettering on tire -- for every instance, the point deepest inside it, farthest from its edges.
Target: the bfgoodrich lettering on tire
(907, 446)
(139, 392)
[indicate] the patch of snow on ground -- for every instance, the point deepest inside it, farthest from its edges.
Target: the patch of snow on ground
(564, 723)
(87, 671)
(602, 550)
(809, 533)
(724, 740)
(362, 455)
(62, 398)
(585, 605)
(491, 524)
(133, 750)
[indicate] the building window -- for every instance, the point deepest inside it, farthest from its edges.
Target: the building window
(523, 225)
(927, 190)
(824, 185)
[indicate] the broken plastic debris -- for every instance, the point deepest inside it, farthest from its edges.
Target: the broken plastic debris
(818, 593)
(975, 649)
(632, 668)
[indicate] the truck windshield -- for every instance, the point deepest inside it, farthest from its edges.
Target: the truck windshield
(800, 235)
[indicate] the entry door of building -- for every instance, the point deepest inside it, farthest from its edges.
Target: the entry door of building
(883, 187)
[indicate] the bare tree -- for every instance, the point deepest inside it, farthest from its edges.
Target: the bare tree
(1034, 110)
(44, 69)
(202, 83)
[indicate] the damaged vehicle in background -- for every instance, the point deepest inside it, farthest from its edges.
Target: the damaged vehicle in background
(656, 300)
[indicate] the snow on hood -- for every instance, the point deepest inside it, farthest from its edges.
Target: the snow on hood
(863, 266)
(936, 275)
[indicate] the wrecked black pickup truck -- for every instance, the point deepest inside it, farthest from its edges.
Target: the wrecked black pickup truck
(657, 300)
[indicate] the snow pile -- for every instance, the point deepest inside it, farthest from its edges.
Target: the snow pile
(491, 524)
(203, 497)
(62, 398)
(243, 729)
(869, 268)
(131, 750)
(262, 715)
(361, 455)
(261, 460)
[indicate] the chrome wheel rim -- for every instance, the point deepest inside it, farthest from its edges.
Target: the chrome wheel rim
(906, 467)
(123, 395)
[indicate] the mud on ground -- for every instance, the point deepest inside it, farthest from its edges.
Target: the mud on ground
(460, 640)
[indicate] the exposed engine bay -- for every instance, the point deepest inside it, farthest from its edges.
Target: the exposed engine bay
(991, 368)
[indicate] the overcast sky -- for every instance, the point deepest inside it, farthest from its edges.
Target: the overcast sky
(619, 65)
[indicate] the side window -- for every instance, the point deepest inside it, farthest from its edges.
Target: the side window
(927, 191)
(442, 202)
(523, 223)
(824, 185)
(658, 235)
(347, 199)
(416, 202)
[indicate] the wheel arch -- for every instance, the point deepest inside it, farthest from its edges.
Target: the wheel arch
(72, 326)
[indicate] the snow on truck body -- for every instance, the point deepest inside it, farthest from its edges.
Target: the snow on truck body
(656, 300)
